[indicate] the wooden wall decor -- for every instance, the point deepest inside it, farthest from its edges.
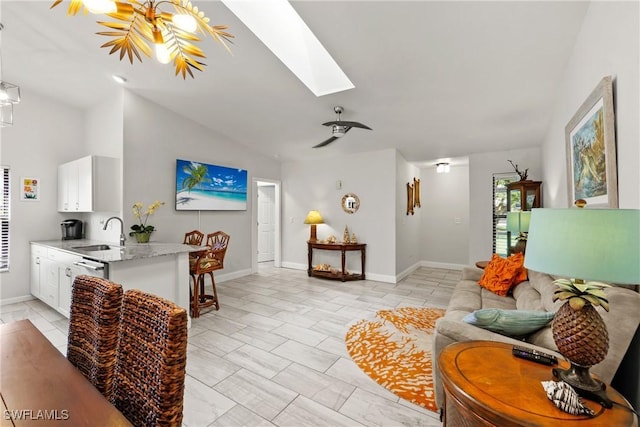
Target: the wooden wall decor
(416, 192)
(409, 198)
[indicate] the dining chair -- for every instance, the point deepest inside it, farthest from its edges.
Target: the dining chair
(208, 261)
(193, 238)
(93, 329)
(148, 386)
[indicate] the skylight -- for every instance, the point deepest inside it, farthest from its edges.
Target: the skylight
(281, 29)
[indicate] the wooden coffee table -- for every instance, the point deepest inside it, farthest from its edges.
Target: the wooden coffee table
(485, 385)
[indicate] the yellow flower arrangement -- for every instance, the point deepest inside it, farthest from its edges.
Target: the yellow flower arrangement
(143, 217)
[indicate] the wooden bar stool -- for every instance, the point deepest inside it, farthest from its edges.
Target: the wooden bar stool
(193, 238)
(208, 260)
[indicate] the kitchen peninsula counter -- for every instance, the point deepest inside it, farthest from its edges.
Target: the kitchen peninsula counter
(117, 253)
(161, 269)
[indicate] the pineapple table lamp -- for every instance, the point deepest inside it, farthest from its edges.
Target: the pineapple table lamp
(587, 247)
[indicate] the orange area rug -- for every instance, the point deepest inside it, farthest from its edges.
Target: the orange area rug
(394, 349)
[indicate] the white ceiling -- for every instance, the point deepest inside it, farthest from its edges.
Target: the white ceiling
(433, 79)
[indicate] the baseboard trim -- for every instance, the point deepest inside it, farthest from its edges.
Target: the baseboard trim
(295, 266)
(448, 266)
(15, 300)
(233, 275)
(407, 272)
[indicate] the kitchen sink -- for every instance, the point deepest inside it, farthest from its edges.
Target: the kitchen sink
(93, 248)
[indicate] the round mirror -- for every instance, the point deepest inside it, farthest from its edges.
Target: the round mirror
(350, 203)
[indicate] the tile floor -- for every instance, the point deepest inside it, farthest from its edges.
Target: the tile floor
(274, 354)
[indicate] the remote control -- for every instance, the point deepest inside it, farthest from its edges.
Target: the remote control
(534, 355)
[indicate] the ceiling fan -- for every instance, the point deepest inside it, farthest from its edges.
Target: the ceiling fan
(339, 127)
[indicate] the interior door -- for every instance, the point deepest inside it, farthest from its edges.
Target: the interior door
(266, 223)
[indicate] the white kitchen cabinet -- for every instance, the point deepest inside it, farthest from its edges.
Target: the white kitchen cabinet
(49, 284)
(38, 253)
(66, 275)
(52, 276)
(89, 184)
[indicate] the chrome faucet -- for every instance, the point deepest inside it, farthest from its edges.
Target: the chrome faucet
(122, 237)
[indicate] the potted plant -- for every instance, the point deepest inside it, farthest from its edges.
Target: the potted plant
(142, 231)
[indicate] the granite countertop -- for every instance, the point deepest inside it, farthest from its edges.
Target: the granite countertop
(117, 253)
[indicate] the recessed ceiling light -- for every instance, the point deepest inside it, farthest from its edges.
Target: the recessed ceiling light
(442, 167)
(119, 79)
(281, 29)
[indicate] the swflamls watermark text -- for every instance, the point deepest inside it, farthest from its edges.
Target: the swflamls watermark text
(39, 414)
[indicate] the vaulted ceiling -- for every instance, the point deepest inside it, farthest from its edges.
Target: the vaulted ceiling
(434, 79)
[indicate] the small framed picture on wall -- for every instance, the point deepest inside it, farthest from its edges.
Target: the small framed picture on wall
(30, 189)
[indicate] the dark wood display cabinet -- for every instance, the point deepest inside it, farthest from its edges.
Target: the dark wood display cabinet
(527, 193)
(522, 196)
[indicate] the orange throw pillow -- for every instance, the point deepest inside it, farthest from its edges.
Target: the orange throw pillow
(501, 274)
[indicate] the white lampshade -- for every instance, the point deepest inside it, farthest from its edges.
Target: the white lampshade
(589, 244)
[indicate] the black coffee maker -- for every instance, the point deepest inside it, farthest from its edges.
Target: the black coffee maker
(71, 229)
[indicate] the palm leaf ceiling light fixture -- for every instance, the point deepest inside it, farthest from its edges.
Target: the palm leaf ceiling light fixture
(141, 23)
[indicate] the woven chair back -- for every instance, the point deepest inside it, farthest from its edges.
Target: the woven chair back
(93, 329)
(151, 359)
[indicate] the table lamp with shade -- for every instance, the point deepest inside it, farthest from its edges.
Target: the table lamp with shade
(518, 224)
(584, 244)
(313, 218)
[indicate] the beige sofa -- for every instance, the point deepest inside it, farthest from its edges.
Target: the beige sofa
(535, 294)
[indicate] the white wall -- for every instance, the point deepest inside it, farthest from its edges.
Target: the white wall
(104, 137)
(45, 133)
(482, 166)
(407, 247)
(308, 185)
(608, 44)
(445, 217)
(154, 138)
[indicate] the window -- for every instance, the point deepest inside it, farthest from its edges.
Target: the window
(4, 217)
(500, 235)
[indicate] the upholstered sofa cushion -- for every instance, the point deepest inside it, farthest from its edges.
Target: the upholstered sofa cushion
(513, 323)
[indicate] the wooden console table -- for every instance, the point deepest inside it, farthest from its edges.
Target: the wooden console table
(485, 385)
(343, 248)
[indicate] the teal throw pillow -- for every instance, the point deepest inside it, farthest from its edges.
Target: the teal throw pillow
(513, 323)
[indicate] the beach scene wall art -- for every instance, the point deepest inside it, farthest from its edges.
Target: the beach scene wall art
(205, 187)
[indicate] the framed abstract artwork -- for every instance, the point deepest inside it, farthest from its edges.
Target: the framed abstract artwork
(591, 150)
